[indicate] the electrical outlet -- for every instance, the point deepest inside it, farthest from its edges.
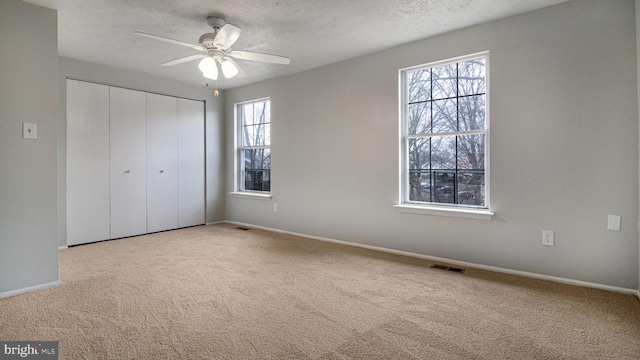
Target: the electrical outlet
(275, 207)
(29, 131)
(547, 238)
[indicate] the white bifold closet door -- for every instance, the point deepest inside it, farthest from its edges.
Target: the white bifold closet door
(191, 163)
(162, 162)
(128, 165)
(87, 162)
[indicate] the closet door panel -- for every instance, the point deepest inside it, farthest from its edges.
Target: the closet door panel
(87, 162)
(191, 162)
(162, 163)
(128, 163)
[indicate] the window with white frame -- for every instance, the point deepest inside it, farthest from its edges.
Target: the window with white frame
(253, 146)
(444, 126)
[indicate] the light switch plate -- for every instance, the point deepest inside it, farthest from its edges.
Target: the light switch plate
(29, 131)
(613, 223)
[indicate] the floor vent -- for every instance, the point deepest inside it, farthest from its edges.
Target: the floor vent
(242, 228)
(448, 268)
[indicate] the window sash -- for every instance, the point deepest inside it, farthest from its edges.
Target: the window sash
(253, 132)
(471, 185)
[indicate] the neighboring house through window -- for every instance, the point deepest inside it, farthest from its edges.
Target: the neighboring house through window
(253, 152)
(444, 129)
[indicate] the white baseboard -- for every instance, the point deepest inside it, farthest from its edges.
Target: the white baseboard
(216, 222)
(455, 262)
(29, 289)
(62, 248)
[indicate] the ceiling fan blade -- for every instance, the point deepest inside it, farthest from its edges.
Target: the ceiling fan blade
(227, 35)
(241, 72)
(184, 59)
(172, 41)
(254, 56)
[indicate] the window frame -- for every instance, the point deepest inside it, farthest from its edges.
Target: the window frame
(239, 147)
(440, 208)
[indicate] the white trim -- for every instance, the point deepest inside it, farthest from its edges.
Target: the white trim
(464, 213)
(404, 137)
(28, 289)
(447, 61)
(215, 222)
(251, 195)
(527, 274)
(237, 143)
(62, 248)
(638, 294)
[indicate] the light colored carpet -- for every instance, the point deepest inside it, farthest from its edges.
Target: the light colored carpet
(216, 292)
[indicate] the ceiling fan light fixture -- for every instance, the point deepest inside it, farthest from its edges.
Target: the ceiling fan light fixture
(207, 65)
(213, 75)
(229, 69)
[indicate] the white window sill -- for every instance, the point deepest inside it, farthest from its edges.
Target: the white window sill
(251, 195)
(464, 213)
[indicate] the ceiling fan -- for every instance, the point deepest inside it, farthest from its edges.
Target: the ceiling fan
(216, 48)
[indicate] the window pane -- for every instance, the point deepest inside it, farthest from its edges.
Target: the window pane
(419, 85)
(471, 152)
(444, 81)
(255, 113)
(261, 113)
(443, 152)
(267, 134)
(444, 186)
(420, 186)
(256, 172)
(256, 159)
(248, 135)
(255, 118)
(256, 135)
(419, 154)
(472, 112)
(257, 180)
(471, 188)
(247, 114)
(419, 118)
(445, 117)
(472, 77)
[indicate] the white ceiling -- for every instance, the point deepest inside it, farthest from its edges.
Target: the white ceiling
(311, 32)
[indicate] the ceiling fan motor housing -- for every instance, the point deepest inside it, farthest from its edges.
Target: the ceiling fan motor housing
(206, 40)
(216, 22)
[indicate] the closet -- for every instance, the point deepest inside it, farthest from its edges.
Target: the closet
(135, 162)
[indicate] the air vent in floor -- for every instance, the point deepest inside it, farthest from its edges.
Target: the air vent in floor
(448, 268)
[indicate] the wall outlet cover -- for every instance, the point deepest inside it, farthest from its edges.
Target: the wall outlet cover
(548, 238)
(29, 131)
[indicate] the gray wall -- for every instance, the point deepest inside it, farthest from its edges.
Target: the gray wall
(70, 68)
(564, 147)
(28, 60)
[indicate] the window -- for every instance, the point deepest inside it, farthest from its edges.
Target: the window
(254, 139)
(445, 133)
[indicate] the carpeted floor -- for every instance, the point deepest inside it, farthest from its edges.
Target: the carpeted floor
(217, 292)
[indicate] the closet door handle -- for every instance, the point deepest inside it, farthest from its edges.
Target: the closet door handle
(161, 171)
(127, 171)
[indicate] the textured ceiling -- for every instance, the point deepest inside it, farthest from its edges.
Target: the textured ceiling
(311, 32)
